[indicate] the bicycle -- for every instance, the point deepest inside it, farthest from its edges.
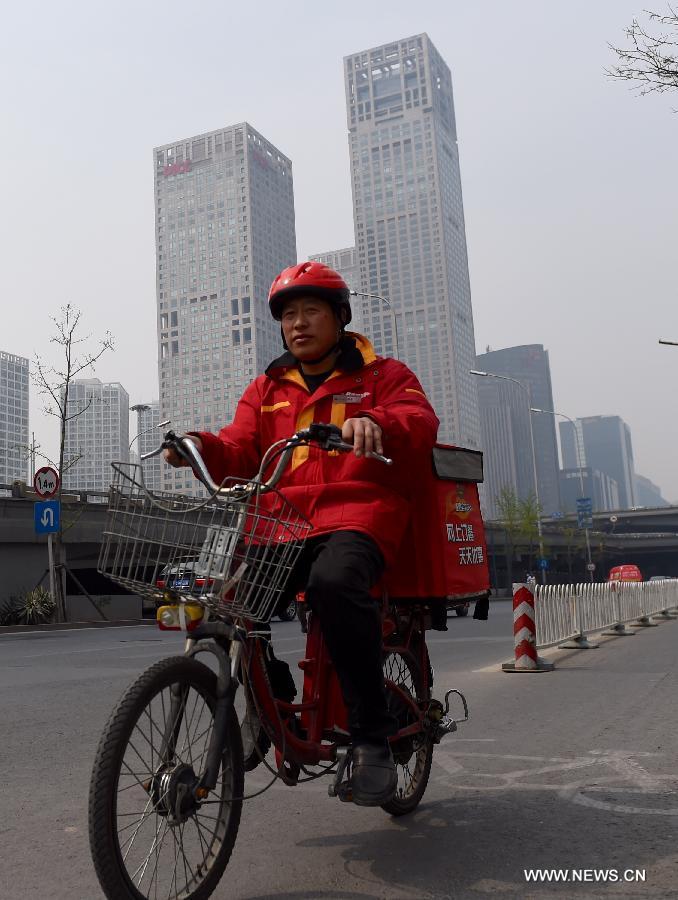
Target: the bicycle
(167, 784)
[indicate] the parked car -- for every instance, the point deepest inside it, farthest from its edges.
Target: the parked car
(625, 573)
(185, 574)
(191, 575)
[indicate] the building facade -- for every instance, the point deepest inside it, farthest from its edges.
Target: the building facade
(409, 222)
(606, 445)
(147, 438)
(97, 433)
(14, 372)
(602, 489)
(505, 426)
(648, 493)
(345, 262)
(224, 229)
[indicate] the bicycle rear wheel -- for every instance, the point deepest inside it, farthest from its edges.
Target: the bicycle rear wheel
(413, 755)
(149, 837)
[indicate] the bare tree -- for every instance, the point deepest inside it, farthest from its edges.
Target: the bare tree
(54, 385)
(651, 59)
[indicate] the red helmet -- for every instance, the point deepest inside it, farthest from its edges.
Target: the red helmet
(312, 278)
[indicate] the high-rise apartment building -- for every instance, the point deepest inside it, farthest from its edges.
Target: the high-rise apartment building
(345, 262)
(505, 425)
(13, 418)
(148, 438)
(605, 443)
(97, 433)
(224, 211)
(409, 222)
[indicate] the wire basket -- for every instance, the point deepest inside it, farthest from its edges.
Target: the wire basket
(233, 555)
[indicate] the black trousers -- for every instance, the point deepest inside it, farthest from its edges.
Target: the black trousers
(337, 571)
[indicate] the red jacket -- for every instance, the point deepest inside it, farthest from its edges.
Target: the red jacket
(336, 491)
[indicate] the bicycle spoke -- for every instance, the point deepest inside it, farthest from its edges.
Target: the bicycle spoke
(134, 776)
(144, 864)
(144, 815)
(174, 870)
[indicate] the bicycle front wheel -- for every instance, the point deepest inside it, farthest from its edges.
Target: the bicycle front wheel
(149, 835)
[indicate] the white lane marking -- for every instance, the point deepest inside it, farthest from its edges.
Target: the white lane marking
(624, 766)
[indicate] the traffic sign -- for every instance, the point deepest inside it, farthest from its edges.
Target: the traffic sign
(47, 516)
(584, 512)
(543, 563)
(590, 567)
(46, 482)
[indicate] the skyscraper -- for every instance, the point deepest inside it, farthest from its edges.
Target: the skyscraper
(506, 429)
(97, 433)
(13, 417)
(224, 229)
(602, 489)
(648, 493)
(607, 446)
(345, 262)
(409, 221)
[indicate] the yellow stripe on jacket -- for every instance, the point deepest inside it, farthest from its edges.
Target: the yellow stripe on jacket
(275, 406)
(300, 454)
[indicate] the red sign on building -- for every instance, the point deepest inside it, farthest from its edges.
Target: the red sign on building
(177, 168)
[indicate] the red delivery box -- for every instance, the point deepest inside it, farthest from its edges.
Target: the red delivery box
(446, 554)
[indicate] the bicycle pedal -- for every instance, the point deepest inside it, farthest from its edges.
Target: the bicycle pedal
(344, 792)
(445, 726)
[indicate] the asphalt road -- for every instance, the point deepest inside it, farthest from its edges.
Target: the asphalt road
(574, 769)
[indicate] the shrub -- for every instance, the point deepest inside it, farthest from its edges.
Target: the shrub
(32, 608)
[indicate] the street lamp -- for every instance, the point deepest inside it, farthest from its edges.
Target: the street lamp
(580, 458)
(669, 343)
(394, 314)
(528, 394)
(140, 408)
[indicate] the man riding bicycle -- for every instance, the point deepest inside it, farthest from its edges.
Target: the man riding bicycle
(359, 509)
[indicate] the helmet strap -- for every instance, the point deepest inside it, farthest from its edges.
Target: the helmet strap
(314, 362)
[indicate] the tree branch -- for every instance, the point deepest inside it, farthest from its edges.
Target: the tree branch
(651, 60)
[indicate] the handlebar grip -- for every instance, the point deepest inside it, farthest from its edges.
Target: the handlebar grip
(371, 454)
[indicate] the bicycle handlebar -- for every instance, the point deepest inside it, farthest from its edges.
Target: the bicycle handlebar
(326, 437)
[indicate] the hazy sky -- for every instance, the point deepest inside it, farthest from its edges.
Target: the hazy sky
(569, 178)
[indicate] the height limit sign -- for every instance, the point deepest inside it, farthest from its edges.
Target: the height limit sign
(46, 482)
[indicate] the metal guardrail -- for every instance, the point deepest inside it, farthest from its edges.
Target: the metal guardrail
(21, 490)
(566, 614)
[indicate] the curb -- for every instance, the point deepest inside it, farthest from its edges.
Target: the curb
(65, 626)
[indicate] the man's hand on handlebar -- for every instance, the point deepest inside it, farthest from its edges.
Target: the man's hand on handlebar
(364, 434)
(174, 459)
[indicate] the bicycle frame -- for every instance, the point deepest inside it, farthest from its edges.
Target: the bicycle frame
(312, 731)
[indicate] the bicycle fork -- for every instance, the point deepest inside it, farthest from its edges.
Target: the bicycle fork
(227, 684)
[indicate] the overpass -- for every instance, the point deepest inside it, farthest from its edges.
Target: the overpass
(646, 537)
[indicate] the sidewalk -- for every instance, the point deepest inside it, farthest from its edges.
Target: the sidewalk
(64, 626)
